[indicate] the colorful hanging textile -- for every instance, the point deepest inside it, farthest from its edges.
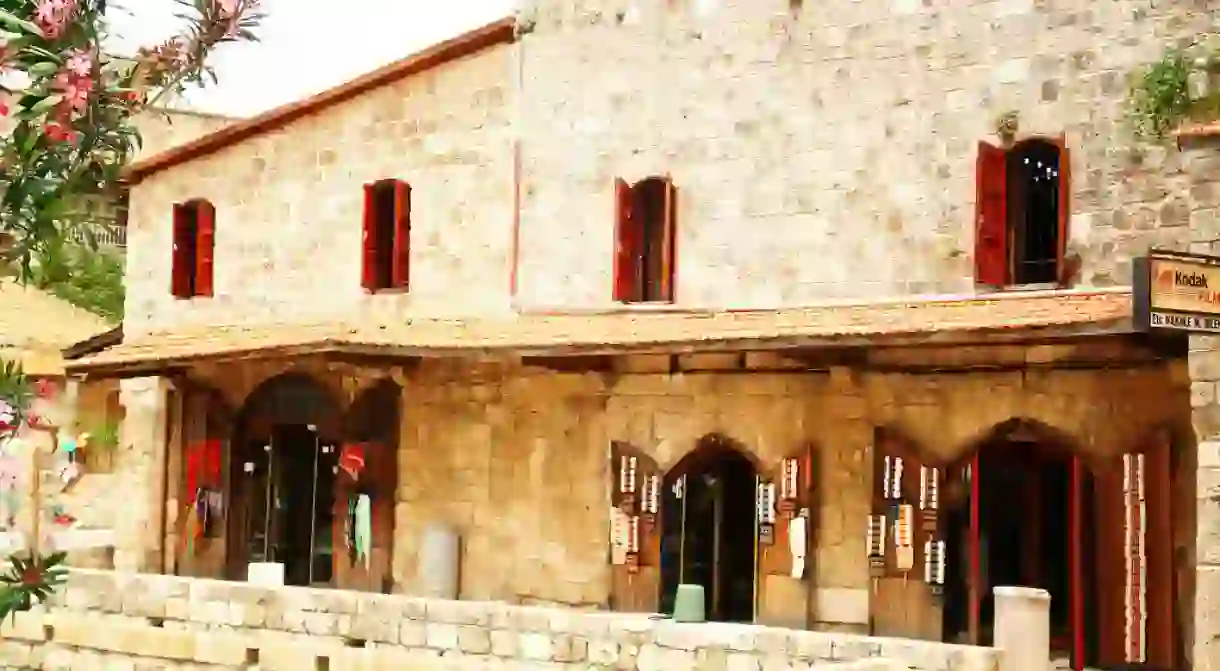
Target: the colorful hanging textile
(351, 459)
(364, 528)
(202, 464)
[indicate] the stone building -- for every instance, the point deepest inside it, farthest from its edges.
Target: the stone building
(752, 295)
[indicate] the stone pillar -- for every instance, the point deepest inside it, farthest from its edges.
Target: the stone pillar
(1205, 625)
(139, 461)
(1200, 614)
(1023, 628)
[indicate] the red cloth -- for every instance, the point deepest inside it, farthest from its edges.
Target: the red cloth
(202, 465)
(351, 459)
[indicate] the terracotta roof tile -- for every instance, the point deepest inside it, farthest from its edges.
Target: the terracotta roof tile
(635, 331)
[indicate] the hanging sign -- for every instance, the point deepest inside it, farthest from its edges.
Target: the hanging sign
(1175, 291)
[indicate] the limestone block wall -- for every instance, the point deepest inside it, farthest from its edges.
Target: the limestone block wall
(288, 207)
(843, 132)
(105, 620)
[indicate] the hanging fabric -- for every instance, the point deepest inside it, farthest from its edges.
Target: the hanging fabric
(202, 464)
(351, 459)
(364, 528)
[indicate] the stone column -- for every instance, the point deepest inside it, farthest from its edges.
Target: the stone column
(1200, 161)
(139, 461)
(1023, 628)
(1205, 625)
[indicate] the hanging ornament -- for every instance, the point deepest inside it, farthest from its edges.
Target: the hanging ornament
(45, 389)
(9, 418)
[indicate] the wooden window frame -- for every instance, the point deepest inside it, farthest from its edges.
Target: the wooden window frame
(628, 286)
(399, 273)
(995, 256)
(193, 250)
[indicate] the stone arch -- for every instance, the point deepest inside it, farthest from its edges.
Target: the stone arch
(710, 445)
(283, 423)
(1048, 440)
(709, 527)
(291, 397)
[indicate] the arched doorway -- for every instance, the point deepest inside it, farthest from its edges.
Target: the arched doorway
(709, 533)
(283, 474)
(1013, 516)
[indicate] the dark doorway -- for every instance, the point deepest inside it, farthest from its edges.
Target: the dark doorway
(708, 530)
(282, 474)
(302, 479)
(1024, 537)
(1034, 204)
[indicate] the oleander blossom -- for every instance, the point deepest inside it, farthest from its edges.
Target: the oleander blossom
(53, 16)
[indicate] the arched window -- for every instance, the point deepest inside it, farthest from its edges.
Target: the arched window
(194, 244)
(387, 235)
(645, 222)
(1022, 213)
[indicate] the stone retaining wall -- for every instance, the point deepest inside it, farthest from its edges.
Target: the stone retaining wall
(105, 620)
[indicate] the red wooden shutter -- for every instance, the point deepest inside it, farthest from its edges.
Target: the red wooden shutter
(1065, 205)
(180, 263)
(991, 218)
(669, 244)
(626, 243)
(401, 272)
(369, 264)
(205, 243)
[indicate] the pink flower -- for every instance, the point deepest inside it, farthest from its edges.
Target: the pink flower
(52, 16)
(57, 132)
(80, 64)
(227, 8)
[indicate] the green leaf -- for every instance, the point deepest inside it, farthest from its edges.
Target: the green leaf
(9, 19)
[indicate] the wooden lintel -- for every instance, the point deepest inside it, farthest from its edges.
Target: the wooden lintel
(571, 364)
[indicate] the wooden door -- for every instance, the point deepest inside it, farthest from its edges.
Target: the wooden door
(786, 543)
(905, 548)
(635, 529)
(1134, 531)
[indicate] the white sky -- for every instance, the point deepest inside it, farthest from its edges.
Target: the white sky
(306, 45)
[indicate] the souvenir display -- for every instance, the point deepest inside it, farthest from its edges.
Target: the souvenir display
(636, 499)
(626, 482)
(766, 513)
(650, 501)
(904, 551)
(876, 545)
(789, 489)
(929, 497)
(1135, 530)
(934, 565)
(797, 543)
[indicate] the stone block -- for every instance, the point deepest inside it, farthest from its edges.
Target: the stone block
(223, 649)
(286, 656)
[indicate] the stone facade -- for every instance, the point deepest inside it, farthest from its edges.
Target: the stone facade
(108, 621)
(740, 104)
(484, 450)
(288, 207)
(743, 104)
